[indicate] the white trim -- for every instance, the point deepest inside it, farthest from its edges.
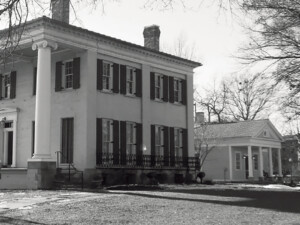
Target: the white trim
(230, 162)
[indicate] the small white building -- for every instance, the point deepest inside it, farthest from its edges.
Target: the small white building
(246, 150)
(106, 106)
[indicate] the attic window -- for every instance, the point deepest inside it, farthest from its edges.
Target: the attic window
(265, 133)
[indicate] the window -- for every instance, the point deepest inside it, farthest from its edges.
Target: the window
(107, 77)
(67, 81)
(67, 74)
(130, 80)
(6, 84)
(255, 161)
(238, 160)
(158, 86)
(130, 138)
(159, 141)
(178, 142)
(67, 136)
(107, 137)
(177, 91)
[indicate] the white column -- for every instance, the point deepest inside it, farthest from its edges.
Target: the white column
(250, 163)
(279, 163)
(261, 163)
(43, 100)
(230, 162)
(270, 163)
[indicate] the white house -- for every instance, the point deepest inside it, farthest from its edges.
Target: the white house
(241, 151)
(73, 96)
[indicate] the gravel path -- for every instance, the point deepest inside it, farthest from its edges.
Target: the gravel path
(175, 205)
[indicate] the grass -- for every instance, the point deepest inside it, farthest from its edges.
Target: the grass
(197, 204)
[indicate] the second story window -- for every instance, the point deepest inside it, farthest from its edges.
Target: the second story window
(177, 91)
(107, 77)
(130, 80)
(67, 81)
(8, 85)
(67, 74)
(158, 86)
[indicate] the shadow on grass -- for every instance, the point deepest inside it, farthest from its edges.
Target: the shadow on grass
(9, 220)
(272, 200)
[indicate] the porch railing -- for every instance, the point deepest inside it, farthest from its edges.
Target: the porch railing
(110, 160)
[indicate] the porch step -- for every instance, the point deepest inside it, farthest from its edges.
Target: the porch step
(66, 178)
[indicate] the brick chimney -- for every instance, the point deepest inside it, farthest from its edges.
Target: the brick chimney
(60, 10)
(199, 117)
(151, 37)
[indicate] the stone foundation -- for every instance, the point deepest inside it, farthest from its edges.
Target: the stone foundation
(40, 174)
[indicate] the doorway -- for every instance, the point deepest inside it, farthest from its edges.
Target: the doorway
(246, 167)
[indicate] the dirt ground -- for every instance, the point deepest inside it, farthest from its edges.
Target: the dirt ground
(174, 204)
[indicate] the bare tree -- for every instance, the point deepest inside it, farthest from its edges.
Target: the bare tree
(205, 142)
(249, 96)
(214, 100)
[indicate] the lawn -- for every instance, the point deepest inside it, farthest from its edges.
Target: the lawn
(193, 204)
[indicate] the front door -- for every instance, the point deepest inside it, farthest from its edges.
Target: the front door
(246, 167)
(9, 148)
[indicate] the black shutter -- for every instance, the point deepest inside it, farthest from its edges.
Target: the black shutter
(115, 78)
(123, 79)
(123, 142)
(58, 76)
(138, 84)
(139, 144)
(34, 81)
(172, 147)
(99, 142)
(32, 137)
(184, 147)
(165, 88)
(76, 73)
(166, 146)
(116, 153)
(184, 94)
(152, 145)
(152, 85)
(99, 74)
(171, 89)
(1, 86)
(13, 81)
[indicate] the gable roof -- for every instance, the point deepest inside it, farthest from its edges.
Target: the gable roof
(251, 129)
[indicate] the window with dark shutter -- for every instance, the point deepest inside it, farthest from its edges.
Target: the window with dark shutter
(32, 137)
(67, 136)
(138, 83)
(99, 74)
(184, 147)
(76, 73)
(139, 144)
(34, 80)
(123, 79)
(184, 92)
(166, 146)
(116, 151)
(123, 142)
(13, 82)
(99, 142)
(165, 88)
(115, 78)
(58, 76)
(152, 85)
(171, 89)
(152, 145)
(1, 83)
(172, 147)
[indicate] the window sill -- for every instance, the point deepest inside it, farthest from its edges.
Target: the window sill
(159, 100)
(177, 103)
(130, 95)
(106, 91)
